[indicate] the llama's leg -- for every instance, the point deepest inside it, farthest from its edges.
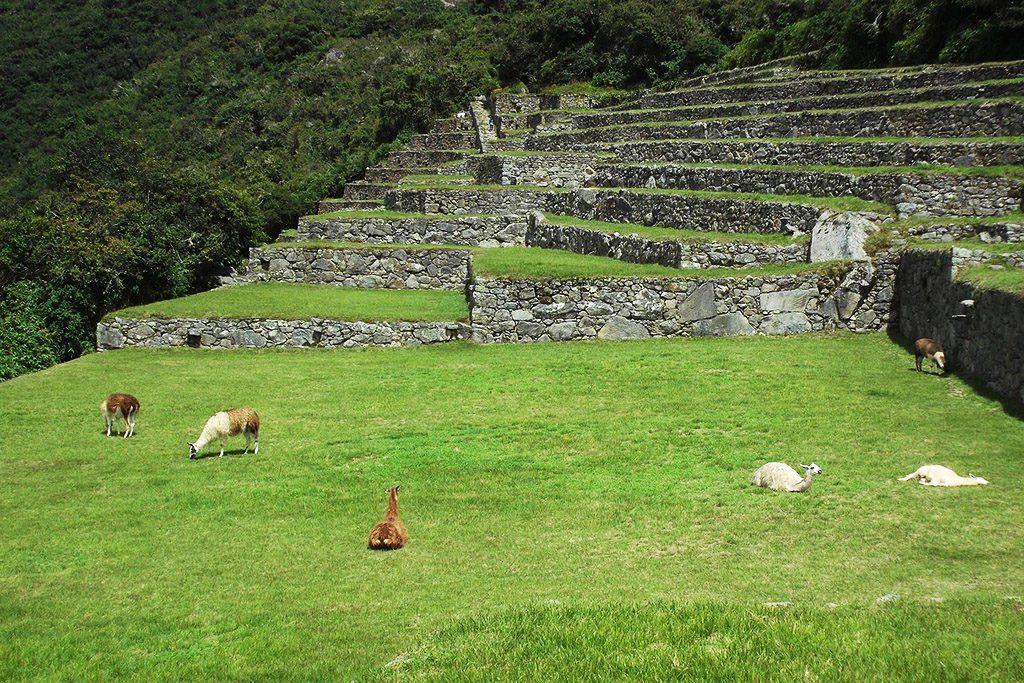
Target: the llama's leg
(917, 362)
(222, 441)
(256, 450)
(127, 425)
(131, 424)
(247, 436)
(106, 421)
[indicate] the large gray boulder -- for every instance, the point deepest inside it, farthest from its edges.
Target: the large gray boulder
(842, 235)
(700, 305)
(618, 328)
(725, 325)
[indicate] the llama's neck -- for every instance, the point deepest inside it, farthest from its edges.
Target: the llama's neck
(803, 484)
(393, 504)
(208, 435)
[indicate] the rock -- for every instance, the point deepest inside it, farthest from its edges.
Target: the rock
(251, 339)
(553, 310)
(108, 337)
(700, 305)
(562, 331)
(792, 300)
(725, 325)
(786, 323)
(842, 235)
(886, 598)
(618, 328)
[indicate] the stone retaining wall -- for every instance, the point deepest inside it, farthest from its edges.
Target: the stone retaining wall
(624, 308)
(955, 120)
(230, 333)
(484, 231)
(671, 253)
(987, 232)
(419, 158)
(825, 153)
(505, 201)
(367, 268)
(541, 170)
(980, 330)
(558, 120)
(913, 194)
(684, 211)
(442, 141)
(814, 84)
(964, 258)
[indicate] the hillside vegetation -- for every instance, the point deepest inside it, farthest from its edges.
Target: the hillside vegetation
(143, 147)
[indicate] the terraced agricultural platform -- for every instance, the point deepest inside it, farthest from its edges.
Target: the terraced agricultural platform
(772, 200)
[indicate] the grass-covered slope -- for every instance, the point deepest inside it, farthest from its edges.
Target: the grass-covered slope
(285, 301)
(598, 475)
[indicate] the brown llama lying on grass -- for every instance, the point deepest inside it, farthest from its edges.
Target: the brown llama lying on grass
(120, 407)
(389, 533)
(930, 349)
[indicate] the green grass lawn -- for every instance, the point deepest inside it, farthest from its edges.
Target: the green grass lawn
(609, 478)
(1007, 279)
(283, 301)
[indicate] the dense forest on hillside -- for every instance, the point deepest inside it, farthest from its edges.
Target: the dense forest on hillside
(144, 145)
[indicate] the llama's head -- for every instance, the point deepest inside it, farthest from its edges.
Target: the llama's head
(192, 451)
(812, 469)
(940, 359)
(971, 475)
(394, 490)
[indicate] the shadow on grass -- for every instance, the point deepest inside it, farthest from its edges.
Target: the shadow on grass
(216, 454)
(1010, 406)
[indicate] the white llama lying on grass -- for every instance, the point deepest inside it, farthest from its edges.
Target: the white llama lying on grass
(227, 423)
(937, 475)
(778, 476)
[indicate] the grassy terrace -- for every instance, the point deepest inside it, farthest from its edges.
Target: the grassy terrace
(676, 234)
(620, 492)
(1009, 140)
(281, 301)
(383, 214)
(1012, 218)
(535, 263)
(1010, 171)
(985, 277)
(991, 247)
(751, 117)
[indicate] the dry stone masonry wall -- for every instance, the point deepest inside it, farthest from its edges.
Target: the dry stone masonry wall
(230, 333)
(485, 231)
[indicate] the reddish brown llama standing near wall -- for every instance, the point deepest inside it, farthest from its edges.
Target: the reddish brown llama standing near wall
(120, 407)
(389, 533)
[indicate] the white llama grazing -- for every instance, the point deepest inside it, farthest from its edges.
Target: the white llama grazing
(227, 423)
(778, 476)
(937, 475)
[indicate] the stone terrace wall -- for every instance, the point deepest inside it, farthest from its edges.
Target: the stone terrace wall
(671, 253)
(829, 153)
(558, 120)
(485, 231)
(364, 267)
(958, 120)
(504, 201)
(229, 333)
(814, 85)
(541, 170)
(619, 308)
(684, 211)
(913, 194)
(987, 232)
(981, 339)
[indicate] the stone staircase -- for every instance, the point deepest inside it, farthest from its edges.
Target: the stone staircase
(782, 199)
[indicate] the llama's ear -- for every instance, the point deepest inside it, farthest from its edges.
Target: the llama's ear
(397, 489)
(806, 467)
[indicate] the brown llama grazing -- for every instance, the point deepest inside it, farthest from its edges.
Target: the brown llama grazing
(930, 349)
(231, 422)
(120, 407)
(389, 533)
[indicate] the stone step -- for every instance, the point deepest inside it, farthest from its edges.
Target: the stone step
(814, 84)
(477, 230)
(566, 120)
(636, 244)
(720, 212)
(405, 158)
(911, 193)
(443, 141)
(363, 190)
(971, 119)
(454, 124)
(331, 205)
(871, 152)
(366, 267)
(386, 174)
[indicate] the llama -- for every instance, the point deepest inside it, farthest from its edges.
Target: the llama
(389, 533)
(120, 407)
(778, 476)
(930, 349)
(227, 423)
(937, 475)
